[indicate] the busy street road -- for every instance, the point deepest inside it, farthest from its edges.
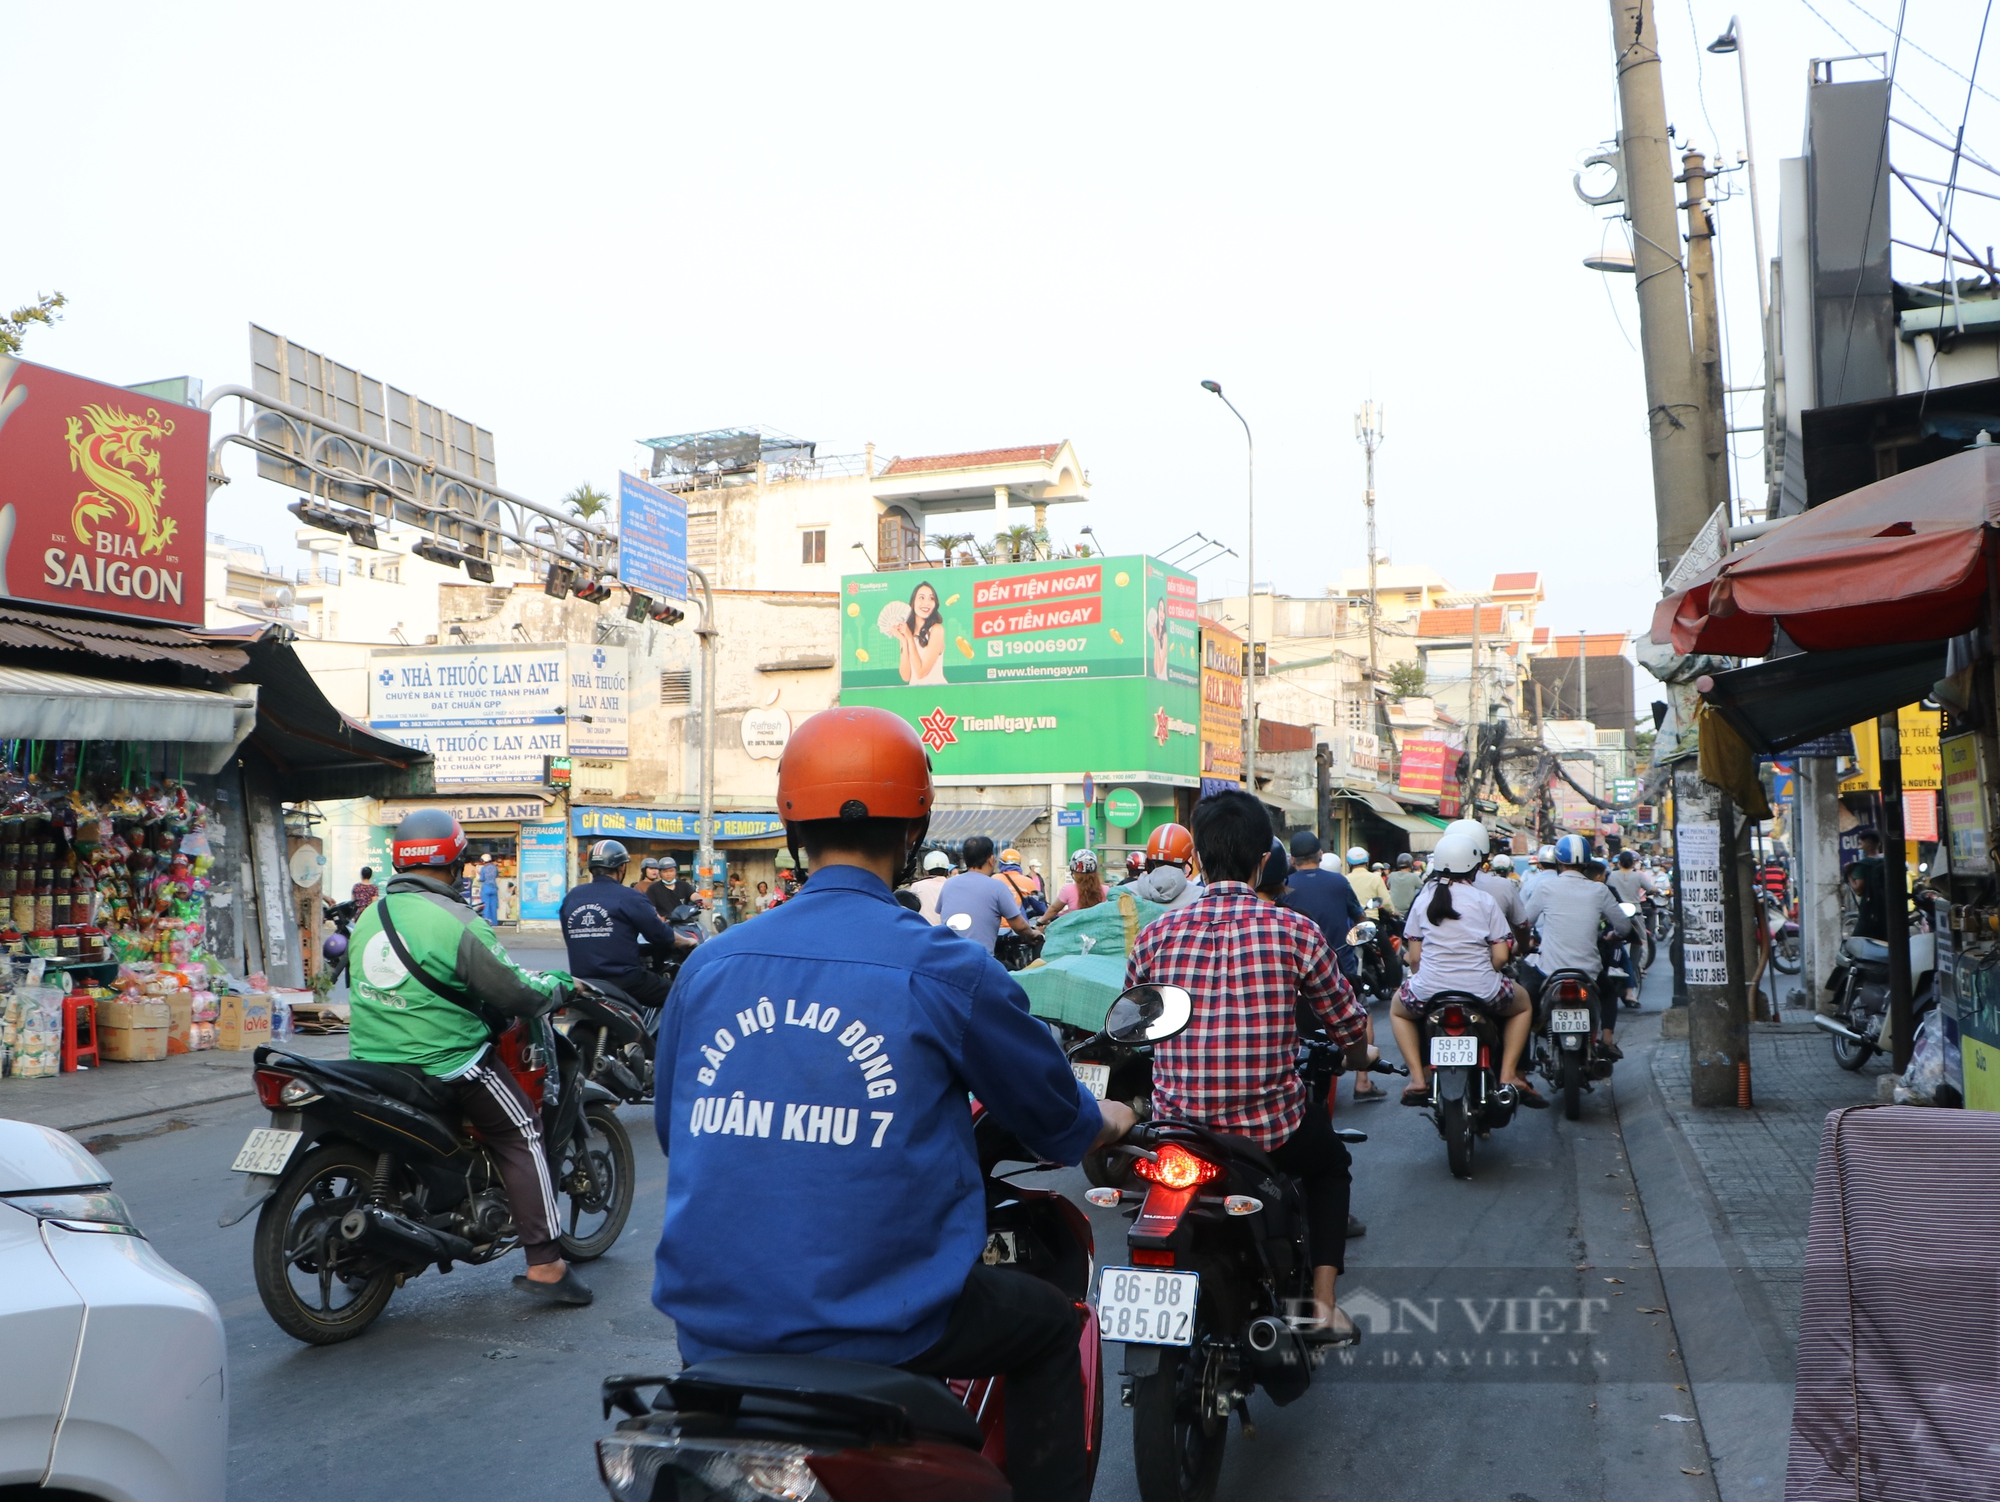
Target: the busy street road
(460, 1390)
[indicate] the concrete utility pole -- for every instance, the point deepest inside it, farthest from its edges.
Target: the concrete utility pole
(1250, 601)
(705, 850)
(1707, 329)
(1673, 394)
(1368, 432)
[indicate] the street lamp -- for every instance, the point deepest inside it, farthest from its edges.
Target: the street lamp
(1250, 602)
(1732, 41)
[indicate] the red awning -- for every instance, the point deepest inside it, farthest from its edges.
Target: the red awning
(1897, 561)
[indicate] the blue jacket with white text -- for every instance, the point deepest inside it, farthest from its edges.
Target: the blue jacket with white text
(824, 1195)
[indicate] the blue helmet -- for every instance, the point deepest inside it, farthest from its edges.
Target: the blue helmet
(1572, 850)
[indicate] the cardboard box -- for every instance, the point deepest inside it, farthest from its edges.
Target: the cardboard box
(132, 1045)
(320, 1017)
(243, 1022)
(180, 1030)
(148, 1012)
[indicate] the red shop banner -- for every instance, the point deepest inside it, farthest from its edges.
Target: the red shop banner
(103, 497)
(1422, 769)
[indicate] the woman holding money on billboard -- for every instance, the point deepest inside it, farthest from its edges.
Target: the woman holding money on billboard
(919, 629)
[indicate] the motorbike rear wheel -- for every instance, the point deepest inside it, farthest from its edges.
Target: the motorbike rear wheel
(1176, 1447)
(1788, 953)
(1455, 1120)
(1850, 1055)
(1572, 1083)
(593, 1172)
(315, 1286)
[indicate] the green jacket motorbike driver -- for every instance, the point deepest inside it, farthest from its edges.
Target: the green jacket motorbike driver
(397, 1018)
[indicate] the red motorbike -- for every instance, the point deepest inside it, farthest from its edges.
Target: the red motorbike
(812, 1426)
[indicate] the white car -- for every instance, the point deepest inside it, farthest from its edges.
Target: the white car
(114, 1381)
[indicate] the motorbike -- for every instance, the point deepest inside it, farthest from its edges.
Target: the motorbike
(685, 922)
(1860, 987)
(1467, 1100)
(1378, 940)
(1787, 944)
(368, 1175)
(1017, 951)
(810, 1426)
(1221, 1268)
(333, 948)
(1566, 1051)
(1659, 913)
(615, 1038)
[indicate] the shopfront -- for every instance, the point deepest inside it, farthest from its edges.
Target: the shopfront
(503, 826)
(747, 842)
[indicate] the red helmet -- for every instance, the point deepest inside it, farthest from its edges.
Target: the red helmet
(1135, 864)
(1170, 844)
(427, 837)
(858, 763)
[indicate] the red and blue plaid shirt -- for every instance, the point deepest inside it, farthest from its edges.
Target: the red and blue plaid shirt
(1247, 963)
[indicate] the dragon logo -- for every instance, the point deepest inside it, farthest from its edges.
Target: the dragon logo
(120, 459)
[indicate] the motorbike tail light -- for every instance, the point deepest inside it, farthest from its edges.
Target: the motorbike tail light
(1145, 1256)
(1570, 990)
(633, 1467)
(1103, 1198)
(271, 1086)
(1176, 1168)
(1452, 1019)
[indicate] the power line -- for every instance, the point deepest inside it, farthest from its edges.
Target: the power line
(1920, 51)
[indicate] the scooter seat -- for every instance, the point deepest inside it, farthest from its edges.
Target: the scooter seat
(925, 1401)
(1868, 951)
(410, 1086)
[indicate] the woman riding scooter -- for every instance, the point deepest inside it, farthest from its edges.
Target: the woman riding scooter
(1457, 939)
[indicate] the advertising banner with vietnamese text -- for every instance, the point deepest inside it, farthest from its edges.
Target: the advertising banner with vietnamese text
(1018, 623)
(1221, 708)
(485, 713)
(103, 497)
(1134, 729)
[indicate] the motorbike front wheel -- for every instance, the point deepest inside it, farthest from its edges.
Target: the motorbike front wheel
(593, 1173)
(315, 1286)
(1176, 1446)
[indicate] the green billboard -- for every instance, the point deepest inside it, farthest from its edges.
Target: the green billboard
(1012, 623)
(1137, 729)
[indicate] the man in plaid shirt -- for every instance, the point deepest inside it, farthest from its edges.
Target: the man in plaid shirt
(1247, 963)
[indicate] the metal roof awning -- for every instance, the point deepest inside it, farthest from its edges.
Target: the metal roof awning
(1380, 803)
(1003, 824)
(1288, 804)
(37, 631)
(68, 707)
(1423, 833)
(1786, 701)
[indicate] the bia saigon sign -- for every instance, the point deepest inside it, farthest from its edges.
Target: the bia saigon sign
(103, 497)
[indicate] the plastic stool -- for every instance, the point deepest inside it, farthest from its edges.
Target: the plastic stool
(75, 1051)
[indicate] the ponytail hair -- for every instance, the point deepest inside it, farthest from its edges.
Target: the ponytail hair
(1440, 908)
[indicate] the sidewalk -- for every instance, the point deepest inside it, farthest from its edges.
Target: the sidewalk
(119, 1092)
(1727, 1195)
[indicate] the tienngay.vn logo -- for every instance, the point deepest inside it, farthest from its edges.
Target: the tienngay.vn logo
(1007, 724)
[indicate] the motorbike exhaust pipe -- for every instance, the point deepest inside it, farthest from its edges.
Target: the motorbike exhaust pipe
(1272, 1342)
(391, 1235)
(1834, 1027)
(618, 1074)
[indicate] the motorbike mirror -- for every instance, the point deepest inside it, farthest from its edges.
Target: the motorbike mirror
(1629, 909)
(959, 923)
(1361, 933)
(1148, 1014)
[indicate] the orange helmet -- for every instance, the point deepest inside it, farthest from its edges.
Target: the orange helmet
(858, 763)
(1170, 844)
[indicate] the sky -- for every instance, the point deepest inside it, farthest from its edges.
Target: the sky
(940, 228)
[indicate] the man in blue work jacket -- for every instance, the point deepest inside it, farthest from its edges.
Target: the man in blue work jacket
(817, 1063)
(602, 923)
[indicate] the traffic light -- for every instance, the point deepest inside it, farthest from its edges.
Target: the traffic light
(667, 615)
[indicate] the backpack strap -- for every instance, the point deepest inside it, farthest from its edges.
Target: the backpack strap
(448, 990)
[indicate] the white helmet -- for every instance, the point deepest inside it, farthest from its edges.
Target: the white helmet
(1503, 862)
(1357, 856)
(1456, 853)
(1474, 831)
(937, 860)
